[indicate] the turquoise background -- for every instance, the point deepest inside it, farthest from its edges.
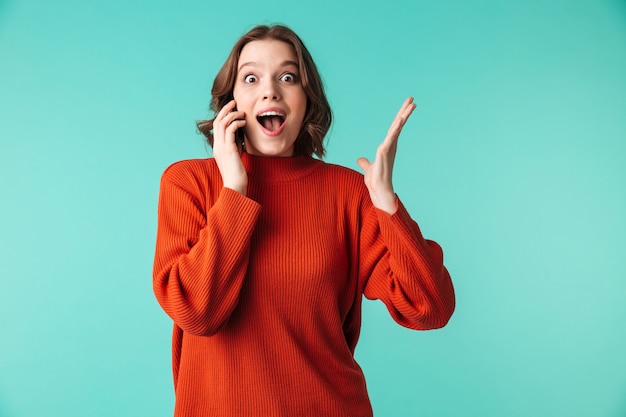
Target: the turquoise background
(514, 161)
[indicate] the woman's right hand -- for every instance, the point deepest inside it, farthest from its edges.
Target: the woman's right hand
(226, 151)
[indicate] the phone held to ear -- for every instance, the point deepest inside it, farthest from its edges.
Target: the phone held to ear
(239, 136)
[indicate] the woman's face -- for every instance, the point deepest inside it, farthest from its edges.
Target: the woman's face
(269, 91)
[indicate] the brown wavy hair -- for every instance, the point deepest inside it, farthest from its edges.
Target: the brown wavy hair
(318, 116)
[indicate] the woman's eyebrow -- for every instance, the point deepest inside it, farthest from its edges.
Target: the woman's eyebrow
(290, 63)
(286, 63)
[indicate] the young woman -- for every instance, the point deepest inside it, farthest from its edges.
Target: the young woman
(264, 253)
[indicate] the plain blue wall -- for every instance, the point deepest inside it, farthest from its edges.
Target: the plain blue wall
(514, 161)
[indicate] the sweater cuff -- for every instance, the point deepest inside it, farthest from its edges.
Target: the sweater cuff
(400, 224)
(243, 207)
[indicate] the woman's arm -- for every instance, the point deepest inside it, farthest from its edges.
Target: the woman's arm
(201, 256)
(404, 270)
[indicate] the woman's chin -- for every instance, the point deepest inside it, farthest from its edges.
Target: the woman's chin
(269, 149)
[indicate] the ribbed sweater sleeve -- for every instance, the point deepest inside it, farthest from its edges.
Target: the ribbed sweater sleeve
(201, 255)
(404, 270)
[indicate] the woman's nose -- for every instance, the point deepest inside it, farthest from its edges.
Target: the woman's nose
(270, 91)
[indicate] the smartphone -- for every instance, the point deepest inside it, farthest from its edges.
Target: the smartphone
(239, 136)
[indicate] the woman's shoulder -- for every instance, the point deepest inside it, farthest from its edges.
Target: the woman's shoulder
(186, 166)
(342, 173)
(190, 168)
(192, 174)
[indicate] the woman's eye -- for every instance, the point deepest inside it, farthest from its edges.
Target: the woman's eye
(249, 78)
(289, 78)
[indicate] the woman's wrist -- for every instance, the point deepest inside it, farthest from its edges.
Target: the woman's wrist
(240, 187)
(387, 202)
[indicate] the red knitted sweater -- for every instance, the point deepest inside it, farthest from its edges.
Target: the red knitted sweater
(265, 290)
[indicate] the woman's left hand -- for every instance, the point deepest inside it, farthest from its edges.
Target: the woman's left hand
(378, 173)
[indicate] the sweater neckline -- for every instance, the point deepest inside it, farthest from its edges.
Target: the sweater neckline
(278, 169)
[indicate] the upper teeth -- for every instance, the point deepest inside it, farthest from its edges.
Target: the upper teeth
(270, 113)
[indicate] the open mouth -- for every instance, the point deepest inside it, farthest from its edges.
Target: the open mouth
(271, 121)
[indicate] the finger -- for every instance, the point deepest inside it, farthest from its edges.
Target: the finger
(227, 137)
(401, 117)
(222, 127)
(363, 163)
(393, 133)
(236, 124)
(230, 117)
(408, 113)
(224, 111)
(405, 110)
